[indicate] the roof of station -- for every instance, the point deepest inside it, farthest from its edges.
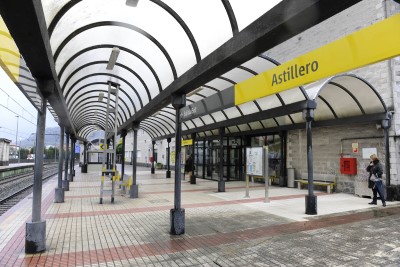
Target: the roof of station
(197, 48)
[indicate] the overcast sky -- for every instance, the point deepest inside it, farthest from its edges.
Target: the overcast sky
(12, 103)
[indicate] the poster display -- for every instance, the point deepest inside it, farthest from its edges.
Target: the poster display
(254, 161)
(368, 151)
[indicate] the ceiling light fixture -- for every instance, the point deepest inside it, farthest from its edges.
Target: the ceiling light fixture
(132, 3)
(101, 96)
(113, 58)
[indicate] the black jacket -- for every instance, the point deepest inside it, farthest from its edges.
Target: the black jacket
(376, 169)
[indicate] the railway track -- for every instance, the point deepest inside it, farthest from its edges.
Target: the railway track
(21, 186)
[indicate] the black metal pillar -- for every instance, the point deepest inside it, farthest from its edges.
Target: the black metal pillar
(123, 135)
(109, 160)
(35, 237)
(204, 159)
(168, 174)
(134, 190)
(71, 175)
(177, 214)
(66, 181)
(311, 199)
(386, 123)
(282, 181)
(73, 158)
(221, 182)
(192, 178)
(153, 159)
(85, 160)
(59, 191)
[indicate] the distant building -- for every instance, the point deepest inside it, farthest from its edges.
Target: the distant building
(4, 151)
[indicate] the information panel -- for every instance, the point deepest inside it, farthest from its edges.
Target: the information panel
(254, 161)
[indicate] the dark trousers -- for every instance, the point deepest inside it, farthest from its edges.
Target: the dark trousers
(378, 189)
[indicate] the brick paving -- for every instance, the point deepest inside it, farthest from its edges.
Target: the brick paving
(222, 229)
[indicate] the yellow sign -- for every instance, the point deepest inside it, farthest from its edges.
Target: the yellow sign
(9, 53)
(372, 44)
(101, 146)
(187, 142)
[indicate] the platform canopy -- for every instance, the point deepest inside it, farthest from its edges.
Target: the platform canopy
(196, 47)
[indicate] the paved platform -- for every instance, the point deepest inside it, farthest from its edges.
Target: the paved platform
(222, 229)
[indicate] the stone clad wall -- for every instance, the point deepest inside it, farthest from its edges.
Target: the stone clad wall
(383, 76)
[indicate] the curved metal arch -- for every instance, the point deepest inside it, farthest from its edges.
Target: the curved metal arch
(164, 6)
(350, 94)
(72, 108)
(90, 48)
(101, 112)
(248, 70)
(231, 16)
(134, 73)
(165, 116)
(90, 108)
(100, 117)
(145, 130)
(8, 51)
(89, 125)
(97, 121)
(156, 125)
(105, 90)
(103, 74)
(330, 80)
(183, 25)
(162, 121)
(149, 129)
(329, 106)
(173, 114)
(117, 24)
(88, 120)
(86, 131)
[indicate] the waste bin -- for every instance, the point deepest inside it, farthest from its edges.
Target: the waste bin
(84, 168)
(290, 177)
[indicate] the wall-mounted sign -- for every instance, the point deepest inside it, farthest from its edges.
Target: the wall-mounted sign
(368, 151)
(187, 142)
(354, 146)
(372, 44)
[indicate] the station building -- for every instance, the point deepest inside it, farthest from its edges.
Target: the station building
(201, 77)
(344, 126)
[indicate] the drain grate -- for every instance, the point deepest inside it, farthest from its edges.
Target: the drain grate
(158, 201)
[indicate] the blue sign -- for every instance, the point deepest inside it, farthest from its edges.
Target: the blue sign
(77, 148)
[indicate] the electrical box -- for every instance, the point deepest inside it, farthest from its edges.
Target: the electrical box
(348, 166)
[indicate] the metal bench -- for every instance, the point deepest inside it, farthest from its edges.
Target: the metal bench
(328, 180)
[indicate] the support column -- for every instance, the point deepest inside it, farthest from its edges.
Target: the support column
(66, 181)
(84, 167)
(221, 182)
(386, 123)
(71, 176)
(177, 214)
(204, 159)
(123, 135)
(152, 152)
(168, 174)
(282, 181)
(311, 199)
(193, 176)
(134, 190)
(35, 237)
(73, 157)
(59, 191)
